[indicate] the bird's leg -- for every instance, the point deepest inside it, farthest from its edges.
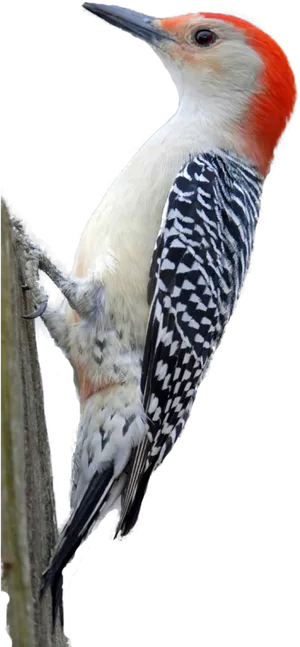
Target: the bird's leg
(58, 326)
(85, 296)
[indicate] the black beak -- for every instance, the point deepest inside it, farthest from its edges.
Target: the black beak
(135, 23)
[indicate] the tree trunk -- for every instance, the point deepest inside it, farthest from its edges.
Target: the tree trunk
(29, 529)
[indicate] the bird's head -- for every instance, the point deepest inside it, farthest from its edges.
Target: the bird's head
(225, 68)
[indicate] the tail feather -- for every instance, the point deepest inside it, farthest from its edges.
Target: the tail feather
(112, 426)
(56, 588)
(138, 478)
(75, 531)
(130, 518)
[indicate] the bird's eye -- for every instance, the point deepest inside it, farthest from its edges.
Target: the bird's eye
(205, 37)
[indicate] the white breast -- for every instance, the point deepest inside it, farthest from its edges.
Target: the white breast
(118, 241)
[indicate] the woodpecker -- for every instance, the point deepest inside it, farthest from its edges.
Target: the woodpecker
(161, 263)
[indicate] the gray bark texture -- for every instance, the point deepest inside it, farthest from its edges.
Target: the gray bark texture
(29, 529)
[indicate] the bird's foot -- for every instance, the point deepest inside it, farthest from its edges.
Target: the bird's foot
(30, 280)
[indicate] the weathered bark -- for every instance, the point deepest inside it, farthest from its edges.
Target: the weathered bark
(29, 529)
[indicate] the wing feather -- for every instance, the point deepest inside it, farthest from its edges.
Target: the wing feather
(199, 263)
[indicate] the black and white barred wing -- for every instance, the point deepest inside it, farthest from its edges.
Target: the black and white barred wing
(201, 256)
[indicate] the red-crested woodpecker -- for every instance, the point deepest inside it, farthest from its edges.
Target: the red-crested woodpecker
(161, 263)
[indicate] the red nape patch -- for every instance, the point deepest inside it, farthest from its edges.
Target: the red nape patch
(275, 102)
(272, 107)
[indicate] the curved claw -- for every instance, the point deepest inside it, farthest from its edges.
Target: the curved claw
(38, 312)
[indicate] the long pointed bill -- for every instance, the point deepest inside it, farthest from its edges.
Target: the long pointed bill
(135, 23)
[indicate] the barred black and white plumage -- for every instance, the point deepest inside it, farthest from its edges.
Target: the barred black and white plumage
(199, 264)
